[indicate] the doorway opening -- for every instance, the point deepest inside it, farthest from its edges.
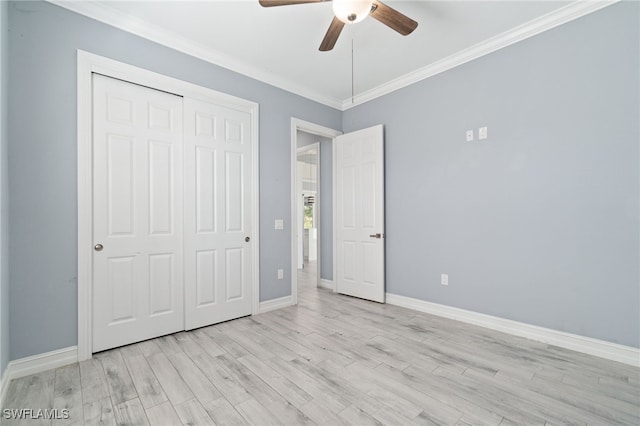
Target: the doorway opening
(312, 201)
(309, 211)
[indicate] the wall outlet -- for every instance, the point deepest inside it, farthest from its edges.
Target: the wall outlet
(469, 135)
(280, 274)
(482, 133)
(444, 279)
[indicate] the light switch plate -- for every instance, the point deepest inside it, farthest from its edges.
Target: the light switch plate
(482, 133)
(469, 135)
(279, 224)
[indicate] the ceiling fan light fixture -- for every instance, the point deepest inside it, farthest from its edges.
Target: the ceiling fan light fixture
(351, 11)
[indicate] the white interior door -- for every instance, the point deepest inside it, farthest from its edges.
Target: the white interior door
(137, 213)
(360, 214)
(218, 246)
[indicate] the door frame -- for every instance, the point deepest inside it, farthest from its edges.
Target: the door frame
(326, 132)
(88, 64)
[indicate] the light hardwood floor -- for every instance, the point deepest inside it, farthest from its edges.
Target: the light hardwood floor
(336, 360)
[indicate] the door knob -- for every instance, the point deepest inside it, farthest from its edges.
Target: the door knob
(247, 239)
(378, 235)
(98, 247)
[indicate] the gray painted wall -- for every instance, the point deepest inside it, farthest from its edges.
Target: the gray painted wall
(42, 146)
(540, 222)
(326, 202)
(4, 193)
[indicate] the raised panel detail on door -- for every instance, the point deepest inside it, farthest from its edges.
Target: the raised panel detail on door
(205, 125)
(159, 117)
(369, 275)
(349, 257)
(119, 287)
(205, 190)
(235, 272)
(369, 195)
(137, 213)
(360, 214)
(119, 169)
(161, 284)
(160, 187)
(206, 277)
(233, 131)
(217, 213)
(119, 110)
(234, 192)
(348, 186)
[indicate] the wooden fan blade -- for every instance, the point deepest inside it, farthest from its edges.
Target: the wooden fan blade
(332, 35)
(392, 18)
(270, 3)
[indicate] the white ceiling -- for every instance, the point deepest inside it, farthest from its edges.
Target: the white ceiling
(279, 45)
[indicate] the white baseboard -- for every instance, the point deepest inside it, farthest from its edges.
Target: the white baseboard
(37, 364)
(600, 348)
(273, 304)
(42, 362)
(328, 284)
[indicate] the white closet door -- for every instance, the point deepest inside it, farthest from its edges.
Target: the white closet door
(360, 214)
(218, 264)
(137, 187)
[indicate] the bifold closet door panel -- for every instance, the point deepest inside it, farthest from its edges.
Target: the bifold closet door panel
(218, 234)
(137, 213)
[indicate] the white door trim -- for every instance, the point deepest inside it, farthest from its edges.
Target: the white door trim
(326, 132)
(88, 64)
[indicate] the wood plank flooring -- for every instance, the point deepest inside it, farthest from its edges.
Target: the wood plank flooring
(335, 360)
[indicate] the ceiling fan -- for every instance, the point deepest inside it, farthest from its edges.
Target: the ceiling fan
(352, 11)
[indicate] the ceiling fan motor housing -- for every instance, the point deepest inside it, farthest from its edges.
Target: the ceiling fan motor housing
(351, 11)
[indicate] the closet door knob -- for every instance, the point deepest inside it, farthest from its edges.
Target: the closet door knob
(247, 239)
(98, 247)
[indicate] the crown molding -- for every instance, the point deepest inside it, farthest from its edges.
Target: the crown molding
(522, 32)
(114, 18)
(107, 15)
